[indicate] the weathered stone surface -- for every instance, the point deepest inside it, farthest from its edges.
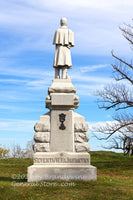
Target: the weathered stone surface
(80, 126)
(44, 124)
(61, 166)
(42, 127)
(62, 99)
(62, 86)
(45, 117)
(79, 123)
(61, 172)
(41, 147)
(42, 137)
(82, 147)
(76, 101)
(81, 137)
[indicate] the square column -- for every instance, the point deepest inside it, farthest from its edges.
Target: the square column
(62, 137)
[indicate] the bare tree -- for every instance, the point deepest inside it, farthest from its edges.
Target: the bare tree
(16, 151)
(4, 153)
(119, 96)
(29, 149)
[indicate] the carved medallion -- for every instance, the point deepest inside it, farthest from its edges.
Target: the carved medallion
(62, 119)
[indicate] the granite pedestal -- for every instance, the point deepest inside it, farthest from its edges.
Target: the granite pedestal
(61, 139)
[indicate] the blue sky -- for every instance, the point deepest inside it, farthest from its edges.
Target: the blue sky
(26, 57)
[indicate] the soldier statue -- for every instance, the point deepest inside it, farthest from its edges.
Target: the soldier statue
(64, 40)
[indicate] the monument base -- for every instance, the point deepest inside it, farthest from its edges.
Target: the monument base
(61, 166)
(61, 172)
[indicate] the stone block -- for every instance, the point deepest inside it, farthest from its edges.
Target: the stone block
(80, 126)
(81, 137)
(42, 127)
(79, 123)
(82, 147)
(44, 124)
(61, 166)
(60, 172)
(65, 158)
(62, 86)
(42, 137)
(41, 147)
(62, 99)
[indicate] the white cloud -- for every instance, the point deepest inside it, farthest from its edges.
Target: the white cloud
(17, 125)
(93, 127)
(92, 68)
(88, 79)
(28, 72)
(100, 123)
(39, 79)
(95, 24)
(43, 77)
(14, 108)
(12, 81)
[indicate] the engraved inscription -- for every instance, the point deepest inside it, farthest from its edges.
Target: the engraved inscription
(62, 119)
(61, 160)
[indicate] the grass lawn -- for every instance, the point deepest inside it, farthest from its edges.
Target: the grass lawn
(115, 181)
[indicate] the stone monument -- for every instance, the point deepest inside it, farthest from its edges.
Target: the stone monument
(61, 139)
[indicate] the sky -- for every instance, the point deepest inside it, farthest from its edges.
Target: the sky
(27, 29)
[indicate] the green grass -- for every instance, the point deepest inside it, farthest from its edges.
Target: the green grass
(115, 181)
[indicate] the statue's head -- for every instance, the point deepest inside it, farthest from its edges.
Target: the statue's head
(63, 21)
